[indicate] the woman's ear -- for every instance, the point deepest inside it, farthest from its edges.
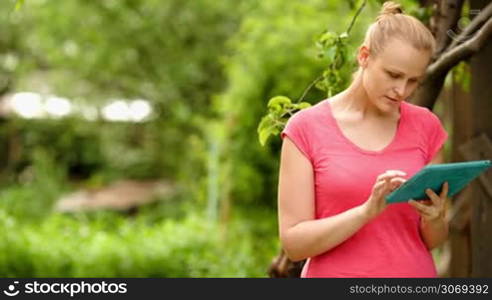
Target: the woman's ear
(363, 56)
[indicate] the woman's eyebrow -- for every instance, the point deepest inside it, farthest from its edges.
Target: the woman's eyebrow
(395, 71)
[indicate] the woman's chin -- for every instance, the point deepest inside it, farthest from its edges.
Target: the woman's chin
(388, 108)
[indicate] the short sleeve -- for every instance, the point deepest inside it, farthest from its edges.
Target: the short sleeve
(437, 136)
(297, 131)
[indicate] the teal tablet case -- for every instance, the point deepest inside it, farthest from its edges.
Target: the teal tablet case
(458, 175)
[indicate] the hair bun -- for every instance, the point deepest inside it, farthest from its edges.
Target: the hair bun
(390, 8)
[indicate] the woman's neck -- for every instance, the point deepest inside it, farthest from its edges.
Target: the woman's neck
(355, 101)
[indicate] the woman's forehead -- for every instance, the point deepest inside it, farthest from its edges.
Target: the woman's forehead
(404, 58)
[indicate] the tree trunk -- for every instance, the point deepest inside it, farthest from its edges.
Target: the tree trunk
(459, 235)
(481, 92)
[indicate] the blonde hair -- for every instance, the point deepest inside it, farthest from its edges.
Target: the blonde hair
(392, 23)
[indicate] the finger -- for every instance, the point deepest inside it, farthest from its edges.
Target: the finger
(384, 184)
(444, 196)
(396, 182)
(436, 200)
(382, 180)
(423, 209)
(398, 179)
(445, 190)
(422, 204)
(379, 184)
(379, 188)
(387, 176)
(400, 172)
(386, 187)
(392, 173)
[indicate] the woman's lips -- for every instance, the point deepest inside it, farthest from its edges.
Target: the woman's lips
(394, 100)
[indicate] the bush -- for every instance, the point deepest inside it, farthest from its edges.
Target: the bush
(109, 245)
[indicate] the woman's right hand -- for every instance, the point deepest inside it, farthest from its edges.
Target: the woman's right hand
(385, 184)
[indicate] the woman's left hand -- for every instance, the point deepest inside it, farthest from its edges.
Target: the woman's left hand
(435, 208)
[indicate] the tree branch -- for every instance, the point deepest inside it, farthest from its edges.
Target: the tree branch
(446, 18)
(429, 90)
(450, 58)
(475, 24)
(356, 15)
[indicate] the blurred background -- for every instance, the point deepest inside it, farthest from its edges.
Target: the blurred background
(128, 135)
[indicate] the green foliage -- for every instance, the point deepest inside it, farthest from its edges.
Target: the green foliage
(274, 54)
(462, 75)
(95, 153)
(422, 13)
(150, 49)
(334, 49)
(168, 52)
(107, 245)
(278, 109)
(73, 146)
(42, 184)
(18, 4)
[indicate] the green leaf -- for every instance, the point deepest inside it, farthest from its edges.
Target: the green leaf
(330, 53)
(266, 128)
(277, 102)
(304, 105)
(19, 4)
(265, 134)
(265, 122)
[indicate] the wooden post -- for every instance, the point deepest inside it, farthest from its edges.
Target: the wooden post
(459, 234)
(481, 92)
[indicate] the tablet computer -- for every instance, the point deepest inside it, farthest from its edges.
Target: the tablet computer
(458, 175)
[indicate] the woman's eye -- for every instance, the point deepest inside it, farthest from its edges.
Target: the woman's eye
(393, 75)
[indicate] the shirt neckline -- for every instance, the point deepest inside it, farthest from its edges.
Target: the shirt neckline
(355, 146)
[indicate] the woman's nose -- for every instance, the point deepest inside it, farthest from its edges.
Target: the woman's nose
(399, 89)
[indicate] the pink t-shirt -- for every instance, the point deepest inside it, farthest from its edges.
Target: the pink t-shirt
(390, 245)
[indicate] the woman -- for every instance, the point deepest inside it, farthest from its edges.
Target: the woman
(342, 156)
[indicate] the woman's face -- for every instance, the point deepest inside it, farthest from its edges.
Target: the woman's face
(393, 74)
